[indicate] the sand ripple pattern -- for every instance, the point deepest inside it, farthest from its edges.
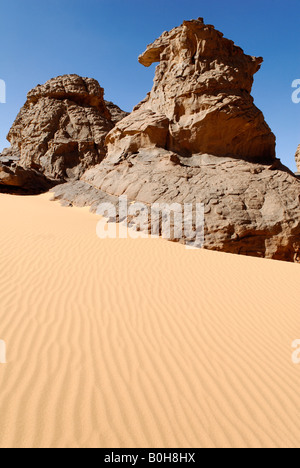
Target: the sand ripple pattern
(140, 343)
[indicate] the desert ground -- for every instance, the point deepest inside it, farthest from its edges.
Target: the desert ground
(140, 343)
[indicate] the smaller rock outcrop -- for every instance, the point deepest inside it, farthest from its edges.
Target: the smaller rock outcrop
(60, 130)
(59, 133)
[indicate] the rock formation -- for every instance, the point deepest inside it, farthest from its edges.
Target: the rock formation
(198, 137)
(200, 101)
(61, 129)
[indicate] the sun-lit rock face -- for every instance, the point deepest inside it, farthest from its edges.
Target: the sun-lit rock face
(61, 129)
(200, 102)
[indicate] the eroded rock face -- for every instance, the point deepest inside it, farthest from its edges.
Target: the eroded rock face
(200, 102)
(60, 131)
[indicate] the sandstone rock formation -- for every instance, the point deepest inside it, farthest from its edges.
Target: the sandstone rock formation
(198, 137)
(200, 101)
(61, 129)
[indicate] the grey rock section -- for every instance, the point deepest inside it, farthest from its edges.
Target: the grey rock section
(250, 208)
(81, 194)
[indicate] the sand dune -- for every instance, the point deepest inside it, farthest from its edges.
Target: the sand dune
(140, 343)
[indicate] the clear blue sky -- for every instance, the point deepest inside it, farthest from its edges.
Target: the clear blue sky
(103, 38)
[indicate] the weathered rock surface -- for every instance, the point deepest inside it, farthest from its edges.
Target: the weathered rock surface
(61, 129)
(198, 137)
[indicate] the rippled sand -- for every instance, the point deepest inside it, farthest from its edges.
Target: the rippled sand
(140, 343)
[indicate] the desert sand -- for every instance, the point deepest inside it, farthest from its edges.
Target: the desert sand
(140, 343)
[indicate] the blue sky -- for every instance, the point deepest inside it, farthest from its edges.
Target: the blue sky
(103, 38)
